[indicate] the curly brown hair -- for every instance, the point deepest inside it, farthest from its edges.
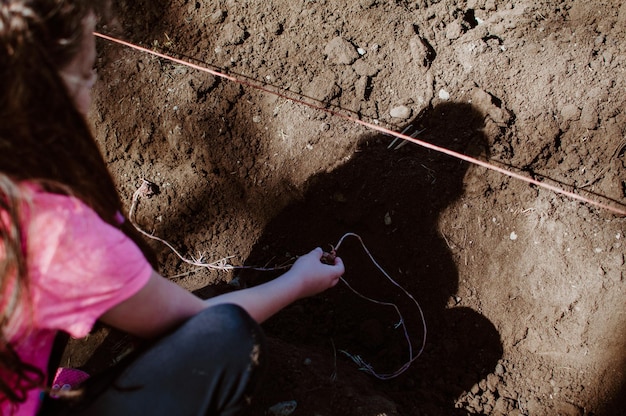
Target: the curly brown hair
(44, 139)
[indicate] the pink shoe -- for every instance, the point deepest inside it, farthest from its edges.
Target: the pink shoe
(67, 379)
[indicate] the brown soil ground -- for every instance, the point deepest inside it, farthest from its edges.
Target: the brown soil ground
(522, 289)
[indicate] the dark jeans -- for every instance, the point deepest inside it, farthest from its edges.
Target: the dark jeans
(208, 366)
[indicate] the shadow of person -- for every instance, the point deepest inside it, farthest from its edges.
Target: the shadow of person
(617, 403)
(392, 199)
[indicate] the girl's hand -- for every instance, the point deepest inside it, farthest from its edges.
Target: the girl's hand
(315, 276)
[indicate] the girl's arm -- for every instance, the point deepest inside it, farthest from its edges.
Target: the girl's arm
(308, 276)
(161, 305)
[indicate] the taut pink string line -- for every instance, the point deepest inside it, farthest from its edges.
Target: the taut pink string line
(556, 189)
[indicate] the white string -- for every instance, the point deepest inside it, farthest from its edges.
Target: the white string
(144, 189)
(356, 358)
(221, 264)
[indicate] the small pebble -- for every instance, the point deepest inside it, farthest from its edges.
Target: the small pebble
(499, 369)
(454, 30)
(513, 236)
(401, 111)
(444, 95)
(341, 51)
(570, 112)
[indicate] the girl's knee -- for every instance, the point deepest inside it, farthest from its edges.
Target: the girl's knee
(230, 319)
(229, 329)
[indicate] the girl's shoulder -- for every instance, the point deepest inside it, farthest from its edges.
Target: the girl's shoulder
(82, 264)
(43, 211)
(34, 194)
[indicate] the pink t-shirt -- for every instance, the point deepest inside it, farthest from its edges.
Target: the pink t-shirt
(79, 267)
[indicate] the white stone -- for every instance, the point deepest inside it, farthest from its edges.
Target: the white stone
(400, 111)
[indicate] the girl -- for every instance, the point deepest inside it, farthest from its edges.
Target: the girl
(68, 257)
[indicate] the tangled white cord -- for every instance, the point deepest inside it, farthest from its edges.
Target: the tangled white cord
(412, 357)
(146, 190)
